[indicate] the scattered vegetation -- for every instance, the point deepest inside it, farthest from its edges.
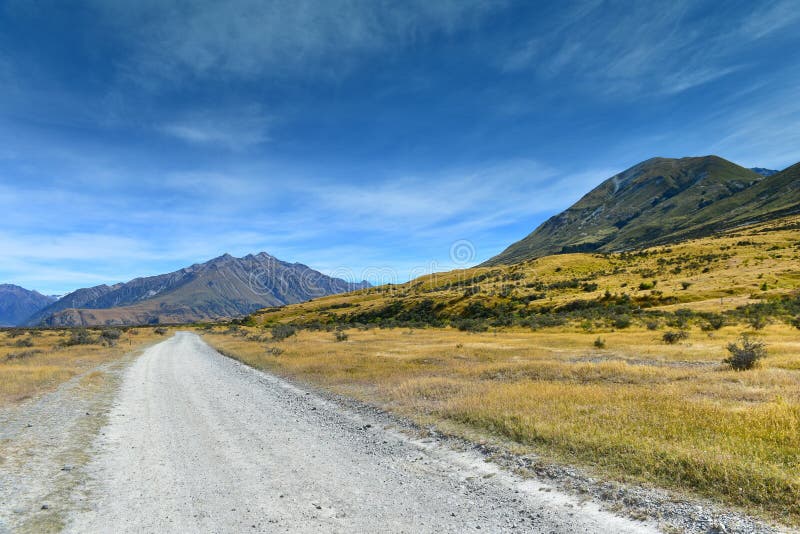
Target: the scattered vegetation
(668, 414)
(49, 357)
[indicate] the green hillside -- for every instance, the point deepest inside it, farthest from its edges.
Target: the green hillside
(661, 201)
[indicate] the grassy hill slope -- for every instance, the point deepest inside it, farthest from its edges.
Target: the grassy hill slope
(749, 266)
(661, 201)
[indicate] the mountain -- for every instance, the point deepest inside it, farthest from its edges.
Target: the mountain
(17, 304)
(661, 201)
(764, 172)
(222, 287)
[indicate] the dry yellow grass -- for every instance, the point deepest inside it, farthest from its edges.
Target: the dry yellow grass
(619, 401)
(641, 409)
(26, 371)
(713, 274)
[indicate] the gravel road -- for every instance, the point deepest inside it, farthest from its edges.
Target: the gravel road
(197, 442)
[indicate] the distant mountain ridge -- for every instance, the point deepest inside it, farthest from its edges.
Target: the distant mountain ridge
(222, 287)
(18, 303)
(661, 200)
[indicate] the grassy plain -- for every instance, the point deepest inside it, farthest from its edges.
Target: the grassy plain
(637, 409)
(565, 356)
(33, 361)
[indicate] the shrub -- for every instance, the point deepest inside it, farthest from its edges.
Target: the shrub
(111, 334)
(671, 337)
(161, 331)
(714, 321)
(283, 331)
(600, 343)
(746, 353)
(275, 351)
(340, 336)
(686, 285)
(758, 321)
(470, 325)
(27, 342)
(796, 322)
(653, 325)
(622, 321)
(22, 355)
(81, 336)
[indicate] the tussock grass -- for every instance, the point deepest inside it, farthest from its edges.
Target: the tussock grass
(673, 415)
(51, 360)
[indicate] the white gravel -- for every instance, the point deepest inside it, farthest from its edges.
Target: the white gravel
(197, 442)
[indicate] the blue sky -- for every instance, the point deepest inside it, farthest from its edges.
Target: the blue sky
(365, 138)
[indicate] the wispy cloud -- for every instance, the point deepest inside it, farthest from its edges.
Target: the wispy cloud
(236, 129)
(637, 49)
(248, 38)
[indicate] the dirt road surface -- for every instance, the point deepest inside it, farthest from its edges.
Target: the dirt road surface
(197, 442)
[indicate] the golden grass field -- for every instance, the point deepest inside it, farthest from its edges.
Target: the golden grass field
(615, 399)
(638, 409)
(27, 371)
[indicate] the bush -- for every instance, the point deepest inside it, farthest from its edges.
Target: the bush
(111, 334)
(22, 355)
(81, 336)
(340, 336)
(622, 321)
(161, 331)
(283, 331)
(27, 342)
(714, 321)
(470, 325)
(746, 353)
(600, 343)
(686, 285)
(275, 351)
(671, 337)
(758, 321)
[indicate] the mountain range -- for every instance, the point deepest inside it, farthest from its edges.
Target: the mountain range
(17, 304)
(220, 288)
(658, 201)
(662, 201)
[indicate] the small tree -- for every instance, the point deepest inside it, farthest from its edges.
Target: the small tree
(745, 354)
